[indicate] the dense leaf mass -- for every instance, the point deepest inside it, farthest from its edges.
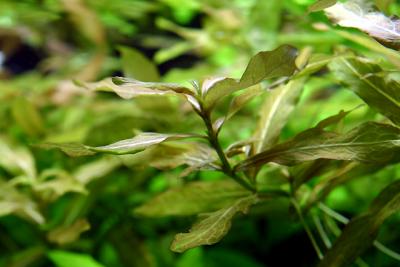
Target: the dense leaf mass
(194, 133)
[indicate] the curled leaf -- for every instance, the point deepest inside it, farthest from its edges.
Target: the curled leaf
(129, 88)
(358, 14)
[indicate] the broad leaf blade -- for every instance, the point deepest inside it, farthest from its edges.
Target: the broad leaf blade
(371, 84)
(360, 233)
(268, 64)
(135, 65)
(211, 227)
(275, 112)
(193, 198)
(370, 143)
(128, 146)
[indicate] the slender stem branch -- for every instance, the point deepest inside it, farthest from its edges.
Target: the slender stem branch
(307, 229)
(322, 233)
(340, 218)
(226, 167)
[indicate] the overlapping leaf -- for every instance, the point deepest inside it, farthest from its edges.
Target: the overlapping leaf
(128, 146)
(270, 64)
(275, 112)
(212, 227)
(370, 83)
(321, 5)
(193, 198)
(14, 202)
(361, 232)
(370, 143)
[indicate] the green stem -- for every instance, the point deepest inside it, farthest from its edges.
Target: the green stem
(307, 229)
(226, 167)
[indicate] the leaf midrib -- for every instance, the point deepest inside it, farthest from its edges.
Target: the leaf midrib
(369, 83)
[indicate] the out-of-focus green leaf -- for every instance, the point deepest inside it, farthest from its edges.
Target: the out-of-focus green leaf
(128, 146)
(370, 83)
(27, 116)
(68, 259)
(321, 5)
(129, 88)
(350, 171)
(275, 112)
(383, 4)
(370, 143)
(212, 227)
(371, 44)
(96, 169)
(13, 201)
(135, 65)
(193, 198)
(67, 234)
(360, 233)
(268, 64)
(16, 160)
(55, 183)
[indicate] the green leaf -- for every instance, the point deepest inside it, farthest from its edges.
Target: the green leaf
(14, 202)
(268, 64)
(369, 143)
(275, 112)
(370, 83)
(53, 183)
(361, 232)
(135, 65)
(239, 101)
(350, 171)
(321, 5)
(68, 259)
(173, 154)
(193, 198)
(16, 160)
(212, 227)
(383, 4)
(66, 234)
(128, 146)
(27, 116)
(129, 88)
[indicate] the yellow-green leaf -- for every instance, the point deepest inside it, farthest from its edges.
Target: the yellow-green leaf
(264, 65)
(212, 227)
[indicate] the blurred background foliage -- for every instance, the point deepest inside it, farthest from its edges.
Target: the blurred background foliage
(78, 212)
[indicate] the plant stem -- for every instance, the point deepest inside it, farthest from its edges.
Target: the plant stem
(307, 229)
(340, 218)
(226, 167)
